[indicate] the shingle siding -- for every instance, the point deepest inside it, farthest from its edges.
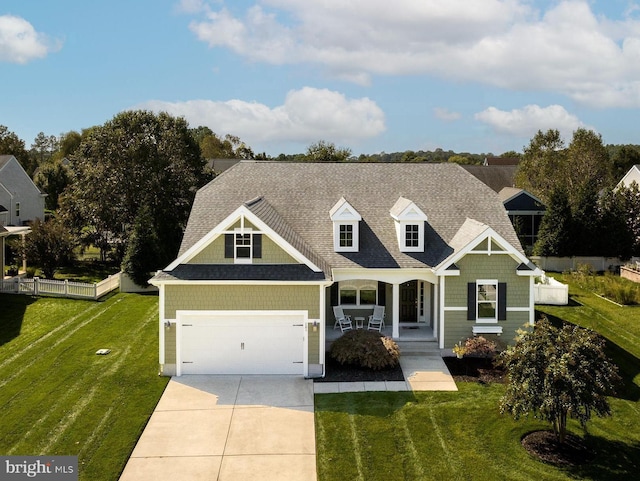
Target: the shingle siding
(272, 253)
(500, 267)
(239, 297)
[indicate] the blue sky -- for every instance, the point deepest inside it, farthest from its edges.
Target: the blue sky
(371, 75)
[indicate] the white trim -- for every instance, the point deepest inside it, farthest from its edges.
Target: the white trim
(442, 310)
(186, 282)
(486, 320)
(518, 309)
(355, 236)
(490, 235)
(390, 276)
(161, 340)
(454, 308)
(321, 326)
(241, 213)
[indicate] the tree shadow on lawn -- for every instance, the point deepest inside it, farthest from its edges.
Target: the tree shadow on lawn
(628, 365)
(12, 315)
(611, 460)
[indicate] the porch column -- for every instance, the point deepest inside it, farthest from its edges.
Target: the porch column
(395, 320)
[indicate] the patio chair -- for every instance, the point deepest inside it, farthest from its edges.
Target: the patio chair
(342, 320)
(376, 320)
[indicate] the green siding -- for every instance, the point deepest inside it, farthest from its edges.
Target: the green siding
(478, 266)
(242, 297)
(313, 339)
(170, 345)
(214, 252)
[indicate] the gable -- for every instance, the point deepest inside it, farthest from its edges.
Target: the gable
(524, 201)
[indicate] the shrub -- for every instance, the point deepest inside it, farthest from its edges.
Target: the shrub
(368, 349)
(480, 346)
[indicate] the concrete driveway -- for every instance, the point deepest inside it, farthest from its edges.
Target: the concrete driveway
(229, 428)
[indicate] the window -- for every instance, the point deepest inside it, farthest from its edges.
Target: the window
(346, 235)
(487, 301)
(358, 293)
(243, 248)
(412, 235)
(17, 209)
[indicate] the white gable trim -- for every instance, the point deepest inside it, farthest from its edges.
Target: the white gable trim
(241, 213)
(344, 212)
(491, 236)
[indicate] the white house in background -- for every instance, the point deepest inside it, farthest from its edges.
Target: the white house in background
(632, 176)
(20, 199)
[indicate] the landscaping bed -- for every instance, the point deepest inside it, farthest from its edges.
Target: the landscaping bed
(336, 372)
(474, 369)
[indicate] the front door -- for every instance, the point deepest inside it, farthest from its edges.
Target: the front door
(409, 302)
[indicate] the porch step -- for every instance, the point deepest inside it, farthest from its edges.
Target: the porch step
(419, 348)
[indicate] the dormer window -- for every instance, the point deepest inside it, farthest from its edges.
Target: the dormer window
(346, 221)
(409, 223)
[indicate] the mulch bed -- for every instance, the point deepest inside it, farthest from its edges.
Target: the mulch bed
(474, 369)
(336, 372)
(545, 446)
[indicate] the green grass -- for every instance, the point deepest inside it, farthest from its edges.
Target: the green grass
(57, 397)
(462, 436)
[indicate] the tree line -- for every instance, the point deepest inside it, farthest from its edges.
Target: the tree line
(127, 187)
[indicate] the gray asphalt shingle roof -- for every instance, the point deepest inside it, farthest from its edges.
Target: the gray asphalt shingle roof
(295, 199)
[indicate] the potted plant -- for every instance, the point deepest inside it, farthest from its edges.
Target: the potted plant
(459, 349)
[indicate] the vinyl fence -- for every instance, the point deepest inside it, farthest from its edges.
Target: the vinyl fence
(551, 291)
(49, 287)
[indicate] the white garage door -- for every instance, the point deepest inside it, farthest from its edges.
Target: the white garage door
(258, 342)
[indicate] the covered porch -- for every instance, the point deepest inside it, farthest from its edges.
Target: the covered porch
(410, 302)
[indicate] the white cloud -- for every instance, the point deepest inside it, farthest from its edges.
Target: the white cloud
(306, 116)
(20, 43)
(445, 114)
(525, 122)
(506, 43)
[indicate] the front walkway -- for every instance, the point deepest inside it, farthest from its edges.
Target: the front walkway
(423, 371)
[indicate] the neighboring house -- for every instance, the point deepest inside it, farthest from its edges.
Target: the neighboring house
(220, 165)
(632, 176)
(3, 233)
(20, 200)
(525, 211)
(271, 247)
(501, 161)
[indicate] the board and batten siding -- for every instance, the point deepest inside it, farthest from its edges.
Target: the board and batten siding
(500, 267)
(242, 297)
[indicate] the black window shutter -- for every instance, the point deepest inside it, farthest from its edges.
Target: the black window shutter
(502, 301)
(257, 246)
(471, 301)
(228, 246)
(333, 298)
(382, 294)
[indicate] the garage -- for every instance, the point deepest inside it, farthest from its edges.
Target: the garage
(241, 342)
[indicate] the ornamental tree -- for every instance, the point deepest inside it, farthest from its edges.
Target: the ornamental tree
(556, 374)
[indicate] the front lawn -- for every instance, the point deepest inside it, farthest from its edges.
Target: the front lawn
(57, 397)
(461, 435)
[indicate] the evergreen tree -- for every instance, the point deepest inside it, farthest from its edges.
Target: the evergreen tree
(556, 227)
(140, 259)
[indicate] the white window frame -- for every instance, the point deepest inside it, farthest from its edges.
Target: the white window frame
(486, 320)
(357, 286)
(354, 237)
(412, 248)
(242, 232)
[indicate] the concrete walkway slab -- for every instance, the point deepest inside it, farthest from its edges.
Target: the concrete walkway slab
(232, 428)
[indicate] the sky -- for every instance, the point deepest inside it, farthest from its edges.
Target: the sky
(479, 76)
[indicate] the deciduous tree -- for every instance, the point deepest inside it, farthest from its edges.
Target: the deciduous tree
(556, 374)
(136, 159)
(49, 246)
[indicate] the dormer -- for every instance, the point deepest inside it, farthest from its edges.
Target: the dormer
(409, 221)
(346, 227)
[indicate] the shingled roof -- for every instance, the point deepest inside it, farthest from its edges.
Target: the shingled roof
(295, 199)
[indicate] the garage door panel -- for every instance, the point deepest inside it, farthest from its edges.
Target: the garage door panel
(249, 344)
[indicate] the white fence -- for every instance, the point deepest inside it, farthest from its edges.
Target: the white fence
(563, 264)
(49, 287)
(550, 291)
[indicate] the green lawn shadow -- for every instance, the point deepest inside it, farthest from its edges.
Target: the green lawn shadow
(12, 315)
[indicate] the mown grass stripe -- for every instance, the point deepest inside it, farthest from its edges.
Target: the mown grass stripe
(357, 450)
(410, 448)
(18, 372)
(26, 349)
(448, 456)
(89, 376)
